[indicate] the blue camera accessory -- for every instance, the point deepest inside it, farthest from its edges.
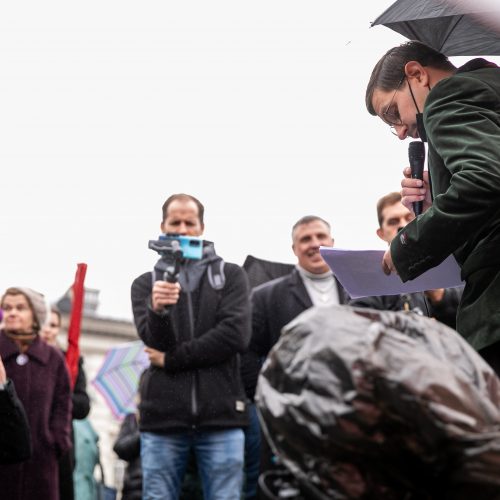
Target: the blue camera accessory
(190, 246)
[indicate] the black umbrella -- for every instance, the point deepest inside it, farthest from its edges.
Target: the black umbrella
(454, 27)
(260, 271)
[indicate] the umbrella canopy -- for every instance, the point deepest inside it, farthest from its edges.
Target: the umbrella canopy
(118, 377)
(260, 271)
(453, 27)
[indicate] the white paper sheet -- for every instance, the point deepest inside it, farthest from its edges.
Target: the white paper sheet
(360, 273)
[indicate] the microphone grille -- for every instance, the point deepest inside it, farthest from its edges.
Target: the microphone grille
(416, 150)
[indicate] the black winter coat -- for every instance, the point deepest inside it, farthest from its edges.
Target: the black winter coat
(15, 442)
(202, 336)
(128, 447)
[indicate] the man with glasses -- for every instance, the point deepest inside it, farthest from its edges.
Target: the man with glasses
(420, 94)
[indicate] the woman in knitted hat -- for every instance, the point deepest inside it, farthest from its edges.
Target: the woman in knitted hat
(42, 383)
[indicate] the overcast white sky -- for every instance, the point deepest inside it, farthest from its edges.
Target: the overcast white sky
(257, 108)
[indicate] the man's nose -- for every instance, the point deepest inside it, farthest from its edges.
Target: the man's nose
(401, 131)
(182, 229)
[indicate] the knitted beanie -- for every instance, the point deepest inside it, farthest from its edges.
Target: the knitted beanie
(39, 306)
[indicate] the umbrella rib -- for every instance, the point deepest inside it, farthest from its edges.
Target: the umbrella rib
(450, 32)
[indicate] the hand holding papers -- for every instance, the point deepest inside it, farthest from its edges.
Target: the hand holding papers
(360, 273)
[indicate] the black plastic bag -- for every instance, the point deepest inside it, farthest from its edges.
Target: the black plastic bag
(375, 404)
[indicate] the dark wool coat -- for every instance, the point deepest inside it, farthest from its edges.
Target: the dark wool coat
(202, 336)
(43, 387)
(462, 120)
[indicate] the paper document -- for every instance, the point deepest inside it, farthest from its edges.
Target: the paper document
(360, 273)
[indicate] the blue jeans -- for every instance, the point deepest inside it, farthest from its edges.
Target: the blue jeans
(219, 457)
(252, 453)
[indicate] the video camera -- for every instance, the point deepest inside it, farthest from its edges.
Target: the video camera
(173, 248)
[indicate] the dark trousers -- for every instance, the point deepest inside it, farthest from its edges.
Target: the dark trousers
(252, 454)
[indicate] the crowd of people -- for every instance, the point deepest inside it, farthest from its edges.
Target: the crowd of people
(197, 432)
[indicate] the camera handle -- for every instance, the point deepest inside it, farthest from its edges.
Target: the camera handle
(167, 269)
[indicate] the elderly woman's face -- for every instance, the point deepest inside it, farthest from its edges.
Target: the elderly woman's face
(17, 314)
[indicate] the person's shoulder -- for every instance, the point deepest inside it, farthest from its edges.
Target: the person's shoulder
(231, 266)
(230, 269)
(482, 77)
(235, 276)
(466, 82)
(57, 353)
(143, 277)
(142, 282)
(53, 354)
(270, 286)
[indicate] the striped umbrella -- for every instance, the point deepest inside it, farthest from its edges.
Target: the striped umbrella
(118, 377)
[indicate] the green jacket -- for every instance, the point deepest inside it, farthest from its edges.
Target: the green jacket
(462, 120)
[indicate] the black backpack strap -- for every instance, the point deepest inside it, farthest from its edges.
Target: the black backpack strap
(216, 276)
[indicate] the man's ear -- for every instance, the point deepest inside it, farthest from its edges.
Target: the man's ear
(415, 71)
(380, 233)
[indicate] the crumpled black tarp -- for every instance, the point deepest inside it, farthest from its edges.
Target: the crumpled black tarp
(384, 405)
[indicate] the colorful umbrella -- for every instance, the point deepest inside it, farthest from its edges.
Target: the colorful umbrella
(118, 377)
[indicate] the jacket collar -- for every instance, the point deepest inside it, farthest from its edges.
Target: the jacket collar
(478, 63)
(38, 350)
(191, 271)
(298, 289)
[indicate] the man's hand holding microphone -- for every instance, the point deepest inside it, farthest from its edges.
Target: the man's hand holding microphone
(415, 192)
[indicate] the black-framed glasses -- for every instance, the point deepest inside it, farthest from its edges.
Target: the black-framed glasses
(392, 118)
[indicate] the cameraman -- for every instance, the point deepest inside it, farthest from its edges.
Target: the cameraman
(191, 396)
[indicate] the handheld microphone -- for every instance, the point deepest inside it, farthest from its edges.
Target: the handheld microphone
(416, 154)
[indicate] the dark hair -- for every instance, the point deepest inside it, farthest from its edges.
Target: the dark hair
(386, 201)
(307, 219)
(389, 72)
(183, 197)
